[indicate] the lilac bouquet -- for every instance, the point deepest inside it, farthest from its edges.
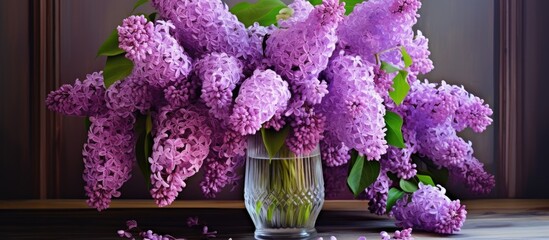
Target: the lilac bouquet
(182, 93)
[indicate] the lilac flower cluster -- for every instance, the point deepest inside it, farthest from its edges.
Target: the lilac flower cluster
(430, 210)
(377, 194)
(353, 108)
(378, 25)
(83, 98)
(300, 11)
(292, 52)
(259, 98)
(181, 143)
(206, 26)
(108, 157)
(219, 75)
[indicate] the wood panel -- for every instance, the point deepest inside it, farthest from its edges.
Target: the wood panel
(535, 111)
(18, 175)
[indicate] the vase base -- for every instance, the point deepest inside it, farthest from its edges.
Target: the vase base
(284, 233)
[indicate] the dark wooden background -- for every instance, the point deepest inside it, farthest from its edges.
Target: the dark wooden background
(45, 43)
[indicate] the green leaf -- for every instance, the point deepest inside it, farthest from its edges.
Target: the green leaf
(400, 86)
(363, 174)
(315, 2)
(440, 176)
(408, 186)
(349, 4)
(151, 17)
(143, 146)
(388, 67)
(425, 179)
(394, 195)
(394, 129)
(117, 67)
(110, 46)
(87, 123)
(406, 57)
(274, 140)
(264, 12)
(139, 3)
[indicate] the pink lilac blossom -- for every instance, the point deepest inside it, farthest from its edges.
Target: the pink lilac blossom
(108, 157)
(301, 10)
(306, 132)
(418, 49)
(136, 37)
(378, 25)
(182, 93)
(377, 194)
(206, 26)
(181, 143)
(405, 234)
(156, 54)
(472, 173)
(399, 161)
(257, 34)
(353, 109)
(129, 95)
(429, 104)
(430, 210)
(219, 74)
(334, 152)
(219, 173)
(311, 90)
(83, 98)
(259, 98)
(442, 145)
(303, 50)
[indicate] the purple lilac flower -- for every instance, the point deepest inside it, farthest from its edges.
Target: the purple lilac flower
(418, 48)
(136, 37)
(156, 54)
(181, 143)
(301, 10)
(220, 173)
(306, 132)
(219, 74)
(472, 173)
(108, 157)
(334, 152)
(377, 194)
(429, 210)
(256, 35)
(182, 93)
(432, 105)
(312, 90)
(378, 25)
(442, 145)
(259, 98)
(399, 160)
(405, 234)
(304, 49)
(206, 26)
(353, 109)
(83, 98)
(129, 95)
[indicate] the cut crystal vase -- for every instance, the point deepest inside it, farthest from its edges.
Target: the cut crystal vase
(283, 194)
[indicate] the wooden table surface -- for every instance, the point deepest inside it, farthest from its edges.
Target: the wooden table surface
(62, 219)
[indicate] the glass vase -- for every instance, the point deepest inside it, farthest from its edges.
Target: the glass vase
(283, 194)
